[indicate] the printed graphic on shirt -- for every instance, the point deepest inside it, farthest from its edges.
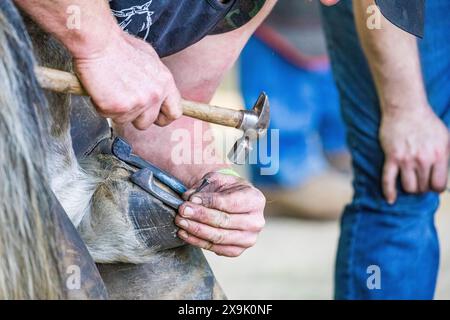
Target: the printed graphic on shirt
(140, 16)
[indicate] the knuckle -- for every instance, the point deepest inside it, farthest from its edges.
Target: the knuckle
(440, 153)
(232, 203)
(396, 156)
(113, 107)
(258, 224)
(261, 195)
(207, 245)
(119, 120)
(123, 108)
(262, 224)
(196, 228)
(154, 97)
(200, 213)
(405, 161)
(209, 200)
(260, 198)
(223, 220)
(423, 159)
(140, 125)
(174, 112)
(218, 238)
(140, 100)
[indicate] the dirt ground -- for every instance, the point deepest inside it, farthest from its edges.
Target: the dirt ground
(294, 259)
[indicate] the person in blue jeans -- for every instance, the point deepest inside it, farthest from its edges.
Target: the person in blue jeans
(287, 58)
(395, 100)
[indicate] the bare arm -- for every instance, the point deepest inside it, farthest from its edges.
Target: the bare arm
(97, 27)
(394, 60)
(124, 76)
(413, 138)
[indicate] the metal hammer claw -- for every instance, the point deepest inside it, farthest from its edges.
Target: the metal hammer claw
(254, 125)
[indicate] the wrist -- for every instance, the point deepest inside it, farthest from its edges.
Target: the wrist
(402, 105)
(85, 44)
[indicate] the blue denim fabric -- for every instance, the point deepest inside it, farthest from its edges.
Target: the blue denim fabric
(400, 239)
(305, 108)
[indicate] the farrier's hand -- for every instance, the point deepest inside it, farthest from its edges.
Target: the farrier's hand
(225, 216)
(129, 84)
(416, 147)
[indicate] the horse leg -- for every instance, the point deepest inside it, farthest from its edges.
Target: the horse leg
(117, 220)
(37, 246)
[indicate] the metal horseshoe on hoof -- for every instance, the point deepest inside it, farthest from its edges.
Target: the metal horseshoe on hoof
(144, 179)
(123, 151)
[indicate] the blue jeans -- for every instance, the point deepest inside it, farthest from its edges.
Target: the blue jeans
(399, 240)
(309, 120)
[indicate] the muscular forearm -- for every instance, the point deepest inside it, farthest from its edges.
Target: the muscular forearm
(96, 28)
(394, 61)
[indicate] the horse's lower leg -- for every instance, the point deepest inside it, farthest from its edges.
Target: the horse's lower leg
(36, 243)
(119, 221)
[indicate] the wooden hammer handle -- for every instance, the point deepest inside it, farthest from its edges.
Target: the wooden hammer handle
(66, 82)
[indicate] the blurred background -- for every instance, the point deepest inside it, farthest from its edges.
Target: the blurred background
(294, 257)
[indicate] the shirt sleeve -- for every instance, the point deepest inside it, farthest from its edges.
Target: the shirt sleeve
(241, 12)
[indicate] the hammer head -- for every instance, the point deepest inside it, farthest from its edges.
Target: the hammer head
(254, 124)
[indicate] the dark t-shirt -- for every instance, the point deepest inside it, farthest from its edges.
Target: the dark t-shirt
(172, 25)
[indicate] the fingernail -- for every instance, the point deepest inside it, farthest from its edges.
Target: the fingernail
(188, 212)
(196, 200)
(183, 223)
(183, 234)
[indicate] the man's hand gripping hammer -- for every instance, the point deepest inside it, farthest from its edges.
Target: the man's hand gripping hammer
(254, 123)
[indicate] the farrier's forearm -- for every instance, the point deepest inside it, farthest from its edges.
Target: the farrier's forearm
(97, 25)
(394, 61)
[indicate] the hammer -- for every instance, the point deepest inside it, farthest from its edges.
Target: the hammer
(253, 123)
